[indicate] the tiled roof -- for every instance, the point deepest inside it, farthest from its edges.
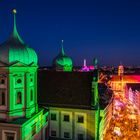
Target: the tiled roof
(65, 89)
(69, 89)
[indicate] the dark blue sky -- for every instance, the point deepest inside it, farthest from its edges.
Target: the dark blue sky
(106, 29)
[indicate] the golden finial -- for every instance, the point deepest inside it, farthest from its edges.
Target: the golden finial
(14, 11)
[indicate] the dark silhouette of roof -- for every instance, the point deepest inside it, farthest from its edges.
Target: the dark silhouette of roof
(69, 89)
(65, 89)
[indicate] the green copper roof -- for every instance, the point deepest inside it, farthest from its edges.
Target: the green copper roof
(62, 59)
(14, 49)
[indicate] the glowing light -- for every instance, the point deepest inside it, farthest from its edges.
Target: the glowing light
(14, 11)
(117, 131)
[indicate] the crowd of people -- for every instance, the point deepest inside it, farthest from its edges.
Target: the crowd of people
(124, 122)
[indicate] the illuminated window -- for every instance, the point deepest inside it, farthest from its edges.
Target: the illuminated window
(53, 133)
(19, 81)
(53, 116)
(66, 118)
(19, 98)
(34, 129)
(2, 98)
(66, 135)
(31, 95)
(80, 137)
(80, 119)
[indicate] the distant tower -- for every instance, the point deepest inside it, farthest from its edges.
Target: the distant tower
(120, 70)
(62, 62)
(85, 63)
(95, 63)
(85, 68)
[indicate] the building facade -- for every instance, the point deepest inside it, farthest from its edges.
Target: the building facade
(20, 117)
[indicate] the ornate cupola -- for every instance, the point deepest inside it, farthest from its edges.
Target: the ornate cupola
(18, 78)
(15, 50)
(62, 62)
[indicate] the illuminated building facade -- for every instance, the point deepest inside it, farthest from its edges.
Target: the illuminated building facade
(78, 109)
(20, 117)
(106, 108)
(72, 99)
(133, 93)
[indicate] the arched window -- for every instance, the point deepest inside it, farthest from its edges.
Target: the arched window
(19, 98)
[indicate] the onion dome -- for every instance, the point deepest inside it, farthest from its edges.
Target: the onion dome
(62, 61)
(15, 50)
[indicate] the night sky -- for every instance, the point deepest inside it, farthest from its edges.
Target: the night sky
(106, 29)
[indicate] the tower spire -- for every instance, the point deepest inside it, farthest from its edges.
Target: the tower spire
(15, 33)
(62, 47)
(15, 27)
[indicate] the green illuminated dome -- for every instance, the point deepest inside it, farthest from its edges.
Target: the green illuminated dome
(62, 61)
(14, 49)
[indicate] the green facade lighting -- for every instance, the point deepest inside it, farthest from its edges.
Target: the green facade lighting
(20, 81)
(14, 49)
(62, 61)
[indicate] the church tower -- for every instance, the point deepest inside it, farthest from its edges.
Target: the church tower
(120, 70)
(62, 62)
(20, 118)
(18, 77)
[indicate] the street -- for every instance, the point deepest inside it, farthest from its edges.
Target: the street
(124, 122)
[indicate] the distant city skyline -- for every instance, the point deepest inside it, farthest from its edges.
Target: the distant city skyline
(108, 30)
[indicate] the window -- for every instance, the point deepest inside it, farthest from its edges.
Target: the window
(19, 98)
(2, 81)
(2, 98)
(33, 129)
(31, 80)
(53, 133)
(66, 118)
(80, 137)
(31, 95)
(53, 116)
(80, 119)
(66, 135)
(19, 81)
(10, 136)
